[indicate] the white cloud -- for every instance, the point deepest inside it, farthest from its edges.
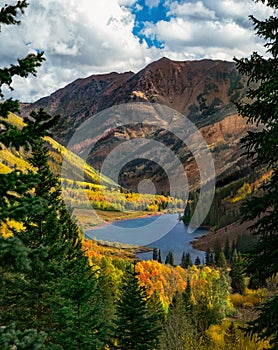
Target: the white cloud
(152, 3)
(79, 38)
(83, 37)
(217, 29)
(126, 2)
(191, 10)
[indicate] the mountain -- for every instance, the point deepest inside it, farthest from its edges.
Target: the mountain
(83, 187)
(197, 89)
(202, 91)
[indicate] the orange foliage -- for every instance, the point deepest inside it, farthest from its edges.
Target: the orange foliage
(164, 279)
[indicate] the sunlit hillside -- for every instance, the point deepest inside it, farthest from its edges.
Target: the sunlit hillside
(84, 187)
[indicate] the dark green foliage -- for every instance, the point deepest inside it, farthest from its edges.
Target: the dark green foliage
(246, 243)
(25, 66)
(186, 260)
(234, 247)
(57, 294)
(221, 262)
(105, 297)
(209, 259)
(11, 338)
(178, 330)
(13, 256)
(8, 13)
(16, 201)
(155, 306)
(159, 256)
(78, 321)
(237, 274)
(217, 251)
(266, 325)
(197, 261)
(14, 187)
(227, 250)
(186, 295)
(136, 326)
(261, 147)
(48, 290)
(155, 254)
(169, 258)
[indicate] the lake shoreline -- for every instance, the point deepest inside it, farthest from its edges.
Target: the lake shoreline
(174, 236)
(90, 219)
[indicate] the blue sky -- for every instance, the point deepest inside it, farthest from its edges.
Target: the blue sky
(84, 37)
(143, 14)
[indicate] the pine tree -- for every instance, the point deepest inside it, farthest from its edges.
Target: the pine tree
(57, 294)
(136, 327)
(208, 258)
(155, 254)
(222, 263)
(217, 250)
(237, 274)
(186, 260)
(10, 338)
(156, 307)
(24, 67)
(44, 258)
(261, 145)
(183, 262)
(169, 258)
(227, 250)
(234, 248)
(159, 256)
(178, 331)
(78, 321)
(14, 186)
(197, 261)
(187, 295)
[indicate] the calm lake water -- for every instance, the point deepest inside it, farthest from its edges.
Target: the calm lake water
(164, 232)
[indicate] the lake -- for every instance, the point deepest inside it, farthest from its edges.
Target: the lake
(164, 232)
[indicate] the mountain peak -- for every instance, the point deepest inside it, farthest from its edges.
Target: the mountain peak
(196, 89)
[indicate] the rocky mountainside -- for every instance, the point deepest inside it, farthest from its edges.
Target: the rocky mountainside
(197, 89)
(202, 90)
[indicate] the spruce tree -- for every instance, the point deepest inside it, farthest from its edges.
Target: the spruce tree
(261, 146)
(187, 297)
(227, 250)
(197, 261)
(169, 258)
(135, 326)
(44, 271)
(178, 331)
(217, 250)
(14, 186)
(11, 338)
(222, 263)
(186, 260)
(209, 257)
(58, 293)
(159, 256)
(155, 254)
(237, 274)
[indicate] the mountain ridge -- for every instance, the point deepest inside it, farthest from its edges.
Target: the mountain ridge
(193, 88)
(203, 91)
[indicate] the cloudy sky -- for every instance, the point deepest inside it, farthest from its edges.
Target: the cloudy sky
(84, 37)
